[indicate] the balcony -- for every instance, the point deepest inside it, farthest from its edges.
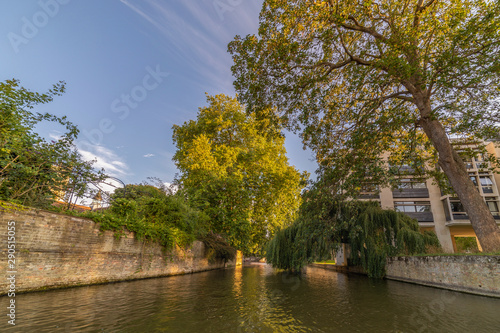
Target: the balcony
(462, 217)
(411, 193)
(421, 216)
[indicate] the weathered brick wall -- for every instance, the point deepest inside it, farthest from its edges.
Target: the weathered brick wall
(474, 274)
(54, 250)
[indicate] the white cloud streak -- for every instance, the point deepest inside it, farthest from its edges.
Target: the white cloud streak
(199, 37)
(105, 158)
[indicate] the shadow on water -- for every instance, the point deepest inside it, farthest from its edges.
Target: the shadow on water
(255, 298)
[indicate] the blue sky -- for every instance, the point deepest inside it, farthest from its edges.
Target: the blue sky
(133, 68)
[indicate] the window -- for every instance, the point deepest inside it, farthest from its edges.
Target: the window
(479, 162)
(482, 165)
(410, 184)
(412, 206)
(492, 205)
(457, 207)
(473, 178)
(457, 210)
(486, 184)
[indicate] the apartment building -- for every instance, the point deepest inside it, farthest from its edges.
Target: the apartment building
(434, 209)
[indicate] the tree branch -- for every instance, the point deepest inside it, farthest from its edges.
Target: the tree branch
(357, 27)
(419, 8)
(356, 59)
(398, 96)
(324, 63)
(428, 5)
(471, 53)
(1, 171)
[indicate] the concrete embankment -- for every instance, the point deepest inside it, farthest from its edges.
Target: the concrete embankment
(479, 275)
(49, 250)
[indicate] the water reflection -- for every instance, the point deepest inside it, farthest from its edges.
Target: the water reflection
(255, 299)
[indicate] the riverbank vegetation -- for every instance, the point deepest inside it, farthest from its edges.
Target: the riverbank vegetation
(34, 171)
(38, 173)
(234, 169)
(324, 223)
(236, 188)
(389, 81)
(152, 214)
(156, 214)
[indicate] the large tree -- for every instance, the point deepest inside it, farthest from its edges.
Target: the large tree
(366, 77)
(234, 168)
(33, 170)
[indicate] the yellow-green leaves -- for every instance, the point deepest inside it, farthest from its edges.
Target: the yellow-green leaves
(235, 168)
(357, 76)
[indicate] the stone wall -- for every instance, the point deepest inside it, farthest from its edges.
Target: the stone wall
(472, 274)
(54, 250)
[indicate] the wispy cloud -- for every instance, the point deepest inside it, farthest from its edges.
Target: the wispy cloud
(105, 158)
(195, 33)
(55, 136)
(148, 155)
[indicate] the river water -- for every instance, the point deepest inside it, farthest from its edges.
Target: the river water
(254, 298)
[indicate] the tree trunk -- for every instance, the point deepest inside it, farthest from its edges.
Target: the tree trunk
(482, 221)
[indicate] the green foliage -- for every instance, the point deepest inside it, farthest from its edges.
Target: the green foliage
(289, 248)
(376, 233)
(10, 206)
(165, 218)
(217, 247)
(234, 169)
(134, 192)
(33, 171)
(124, 208)
(377, 87)
(153, 215)
(359, 78)
(372, 233)
(466, 245)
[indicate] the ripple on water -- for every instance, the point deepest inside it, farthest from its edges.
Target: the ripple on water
(255, 299)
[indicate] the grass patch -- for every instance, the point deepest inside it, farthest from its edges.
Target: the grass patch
(326, 262)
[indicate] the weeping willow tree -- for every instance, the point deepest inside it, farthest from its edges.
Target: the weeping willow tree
(360, 79)
(373, 234)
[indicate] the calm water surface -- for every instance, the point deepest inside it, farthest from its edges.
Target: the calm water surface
(254, 298)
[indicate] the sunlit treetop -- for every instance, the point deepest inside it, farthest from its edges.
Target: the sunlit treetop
(334, 67)
(364, 80)
(234, 167)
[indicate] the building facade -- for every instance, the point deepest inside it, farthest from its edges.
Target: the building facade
(443, 213)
